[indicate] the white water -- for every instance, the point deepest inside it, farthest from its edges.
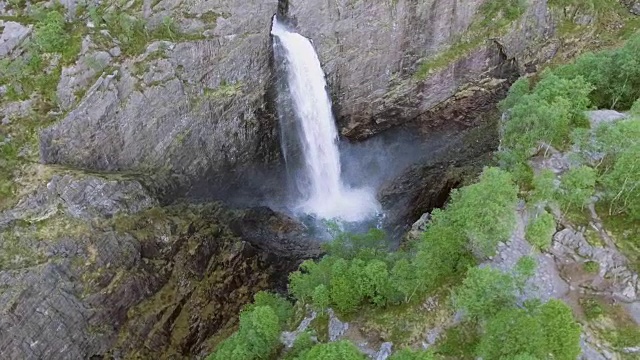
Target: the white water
(324, 193)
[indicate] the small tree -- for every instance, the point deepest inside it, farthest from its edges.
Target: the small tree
(484, 292)
(540, 230)
(512, 332)
(321, 298)
(562, 332)
(577, 186)
(485, 212)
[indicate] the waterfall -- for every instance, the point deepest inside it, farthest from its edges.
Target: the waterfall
(308, 125)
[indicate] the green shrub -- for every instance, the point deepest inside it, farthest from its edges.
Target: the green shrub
(280, 306)
(485, 220)
(562, 332)
(320, 298)
(304, 342)
(592, 267)
(540, 230)
(339, 350)
(544, 187)
(622, 183)
(408, 354)
(257, 337)
(512, 332)
(577, 186)
(50, 33)
(615, 75)
(635, 108)
(546, 114)
(484, 292)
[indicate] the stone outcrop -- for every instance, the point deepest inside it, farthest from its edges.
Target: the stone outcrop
(373, 73)
(91, 266)
(190, 109)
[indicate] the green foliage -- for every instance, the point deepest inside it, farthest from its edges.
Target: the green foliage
(540, 230)
(256, 338)
(537, 331)
(460, 341)
(562, 332)
(512, 332)
(339, 350)
(370, 245)
(615, 74)
(546, 114)
(280, 306)
(613, 139)
(525, 269)
(622, 183)
(484, 292)
(591, 267)
(577, 186)
(304, 342)
(635, 108)
(408, 354)
(320, 298)
(50, 33)
(485, 212)
(544, 187)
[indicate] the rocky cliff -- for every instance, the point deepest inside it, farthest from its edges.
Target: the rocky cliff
(149, 101)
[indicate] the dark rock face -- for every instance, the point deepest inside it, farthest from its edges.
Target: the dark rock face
(131, 281)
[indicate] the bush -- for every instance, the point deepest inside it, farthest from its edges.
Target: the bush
(622, 183)
(257, 337)
(280, 306)
(320, 298)
(540, 230)
(510, 333)
(615, 74)
(577, 186)
(544, 187)
(304, 342)
(484, 292)
(635, 108)
(485, 220)
(339, 350)
(50, 33)
(562, 332)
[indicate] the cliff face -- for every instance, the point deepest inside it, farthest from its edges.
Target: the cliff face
(93, 264)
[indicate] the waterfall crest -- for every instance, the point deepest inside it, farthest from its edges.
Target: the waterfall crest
(318, 178)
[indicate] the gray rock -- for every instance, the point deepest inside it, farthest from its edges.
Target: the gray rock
(80, 76)
(13, 34)
(373, 79)
(599, 117)
(546, 283)
(212, 121)
(384, 352)
(337, 328)
(85, 197)
(288, 338)
(570, 244)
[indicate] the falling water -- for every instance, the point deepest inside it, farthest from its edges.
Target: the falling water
(319, 182)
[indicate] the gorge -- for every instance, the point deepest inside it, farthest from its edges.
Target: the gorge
(162, 161)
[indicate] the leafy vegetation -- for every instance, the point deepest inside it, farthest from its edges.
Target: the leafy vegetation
(540, 230)
(258, 335)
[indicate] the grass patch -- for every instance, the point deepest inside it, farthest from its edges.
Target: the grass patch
(625, 232)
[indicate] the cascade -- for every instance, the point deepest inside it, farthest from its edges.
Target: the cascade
(317, 177)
